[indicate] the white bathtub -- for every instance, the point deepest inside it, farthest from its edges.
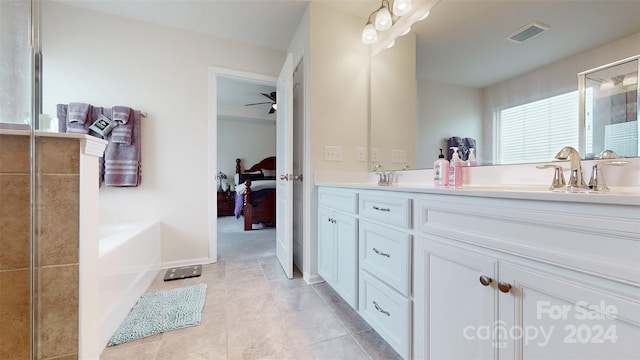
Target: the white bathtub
(129, 260)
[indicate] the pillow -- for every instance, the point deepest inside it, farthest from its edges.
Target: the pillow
(269, 173)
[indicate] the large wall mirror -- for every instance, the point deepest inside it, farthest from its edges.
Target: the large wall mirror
(472, 81)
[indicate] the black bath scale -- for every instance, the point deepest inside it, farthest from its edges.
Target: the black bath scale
(183, 272)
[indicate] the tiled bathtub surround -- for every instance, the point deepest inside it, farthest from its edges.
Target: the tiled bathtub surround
(56, 256)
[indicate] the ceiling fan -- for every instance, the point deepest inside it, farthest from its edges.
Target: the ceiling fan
(271, 97)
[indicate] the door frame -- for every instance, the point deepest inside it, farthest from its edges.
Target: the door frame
(214, 73)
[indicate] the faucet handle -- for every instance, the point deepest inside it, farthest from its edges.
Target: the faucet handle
(597, 183)
(558, 176)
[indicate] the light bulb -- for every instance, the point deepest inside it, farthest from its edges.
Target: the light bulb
(401, 7)
(369, 34)
(383, 19)
(405, 32)
(393, 42)
(424, 16)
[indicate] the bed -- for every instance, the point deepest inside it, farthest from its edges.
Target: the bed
(255, 193)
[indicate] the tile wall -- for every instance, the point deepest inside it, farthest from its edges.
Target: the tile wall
(56, 251)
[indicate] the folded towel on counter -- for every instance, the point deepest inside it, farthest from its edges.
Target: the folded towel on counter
(78, 112)
(121, 134)
(122, 161)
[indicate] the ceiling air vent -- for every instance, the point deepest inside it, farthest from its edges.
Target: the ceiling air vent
(527, 32)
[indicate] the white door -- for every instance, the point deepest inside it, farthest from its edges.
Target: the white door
(284, 167)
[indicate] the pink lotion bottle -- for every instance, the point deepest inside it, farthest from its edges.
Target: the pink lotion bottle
(441, 171)
(455, 169)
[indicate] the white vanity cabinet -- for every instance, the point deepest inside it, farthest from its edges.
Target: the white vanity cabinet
(338, 242)
(385, 246)
(516, 279)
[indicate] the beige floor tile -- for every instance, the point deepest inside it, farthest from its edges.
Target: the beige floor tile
(263, 339)
(342, 348)
(194, 344)
(298, 299)
(140, 351)
(313, 325)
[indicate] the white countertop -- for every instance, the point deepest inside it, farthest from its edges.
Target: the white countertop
(509, 182)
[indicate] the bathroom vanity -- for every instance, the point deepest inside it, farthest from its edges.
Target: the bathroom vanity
(486, 272)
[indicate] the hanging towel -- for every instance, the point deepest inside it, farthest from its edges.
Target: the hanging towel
(121, 161)
(61, 113)
(78, 113)
(66, 125)
(121, 134)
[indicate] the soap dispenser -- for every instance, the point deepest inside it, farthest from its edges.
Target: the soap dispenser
(472, 157)
(455, 169)
(441, 171)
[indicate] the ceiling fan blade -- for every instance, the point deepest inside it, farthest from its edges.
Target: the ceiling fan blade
(272, 110)
(260, 103)
(271, 96)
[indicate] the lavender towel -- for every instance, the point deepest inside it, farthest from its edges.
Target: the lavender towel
(78, 112)
(61, 112)
(66, 125)
(121, 161)
(121, 134)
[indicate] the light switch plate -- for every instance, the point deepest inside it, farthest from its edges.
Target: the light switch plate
(333, 153)
(374, 154)
(360, 154)
(398, 156)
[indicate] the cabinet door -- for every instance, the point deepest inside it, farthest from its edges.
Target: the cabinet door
(545, 315)
(326, 235)
(345, 280)
(454, 312)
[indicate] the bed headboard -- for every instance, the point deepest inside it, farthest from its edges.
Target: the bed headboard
(266, 163)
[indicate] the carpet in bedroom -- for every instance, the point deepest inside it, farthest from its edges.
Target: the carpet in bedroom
(235, 243)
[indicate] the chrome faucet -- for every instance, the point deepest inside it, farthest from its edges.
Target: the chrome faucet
(576, 180)
(385, 178)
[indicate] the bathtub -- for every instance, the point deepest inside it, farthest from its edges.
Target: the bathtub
(129, 260)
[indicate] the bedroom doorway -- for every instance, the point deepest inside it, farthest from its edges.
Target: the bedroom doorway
(228, 163)
(245, 130)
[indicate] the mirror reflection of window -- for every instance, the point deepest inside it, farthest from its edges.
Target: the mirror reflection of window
(533, 132)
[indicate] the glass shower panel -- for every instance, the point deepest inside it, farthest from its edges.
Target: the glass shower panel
(16, 180)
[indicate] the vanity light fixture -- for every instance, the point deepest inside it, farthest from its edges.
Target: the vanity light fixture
(385, 17)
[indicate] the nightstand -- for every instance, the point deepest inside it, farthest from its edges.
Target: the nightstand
(226, 203)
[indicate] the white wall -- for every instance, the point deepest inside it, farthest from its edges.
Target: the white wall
(339, 87)
(393, 103)
(247, 139)
(108, 60)
(445, 110)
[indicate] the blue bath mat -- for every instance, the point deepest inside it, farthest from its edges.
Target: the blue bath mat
(162, 311)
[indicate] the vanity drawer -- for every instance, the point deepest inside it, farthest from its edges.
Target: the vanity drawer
(386, 253)
(388, 312)
(338, 199)
(392, 210)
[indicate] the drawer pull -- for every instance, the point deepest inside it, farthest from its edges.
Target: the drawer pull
(485, 280)
(381, 209)
(381, 253)
(380, 309)
(504, 287)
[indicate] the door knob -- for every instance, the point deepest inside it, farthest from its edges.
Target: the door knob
(485, 280)
(295, 177)
(284, 177)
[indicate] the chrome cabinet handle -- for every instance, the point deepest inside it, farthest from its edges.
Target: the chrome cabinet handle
(504, 287)
(485, 280)
(381, 309)
(381, 253)
(381, 209)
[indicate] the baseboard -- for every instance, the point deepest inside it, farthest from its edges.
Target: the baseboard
(312, 279)
(188, 262)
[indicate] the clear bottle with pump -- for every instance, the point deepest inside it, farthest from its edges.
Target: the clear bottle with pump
(441, 171)
(472, 157)
(455, 169)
